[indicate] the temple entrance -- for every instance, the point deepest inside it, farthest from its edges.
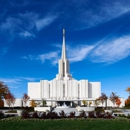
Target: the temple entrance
(63, 103)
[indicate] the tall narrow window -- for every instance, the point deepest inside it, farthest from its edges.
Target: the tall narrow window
(63, 90)
(63, 69)
(78, 90)
(49, 90)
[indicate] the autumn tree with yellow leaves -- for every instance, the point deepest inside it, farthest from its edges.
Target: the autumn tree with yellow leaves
(128, 90)
(33, 103)
(85, 103)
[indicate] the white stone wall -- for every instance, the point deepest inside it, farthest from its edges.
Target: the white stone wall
(94, 89)
(69, 89)
(18, 103)
(54, 89)
(83, 85)
(74, 87)
(45, 89)
(34, 90)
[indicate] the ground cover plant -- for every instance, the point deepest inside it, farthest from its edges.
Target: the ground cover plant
(11, 111)
(17, 123)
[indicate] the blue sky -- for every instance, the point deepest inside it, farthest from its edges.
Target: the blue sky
(97, 42)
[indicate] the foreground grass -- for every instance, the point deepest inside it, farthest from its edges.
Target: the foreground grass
(64, 125)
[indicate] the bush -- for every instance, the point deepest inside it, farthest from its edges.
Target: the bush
(62, 114)
(108, 116)
(43, 116)
(72, 115)
(25, 114)
(82, 114)
(52, 115)
(91, 115)
(35, 115)
(1, 114)
(100, 114)
(99, 109)
(28, 109)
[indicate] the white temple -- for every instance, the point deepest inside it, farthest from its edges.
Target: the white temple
(64, 89)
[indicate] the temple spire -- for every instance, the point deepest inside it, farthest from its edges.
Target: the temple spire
(64, 67)
(63, 56)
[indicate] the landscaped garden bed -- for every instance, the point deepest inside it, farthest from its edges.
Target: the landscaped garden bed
(17, 123)
(52, 121)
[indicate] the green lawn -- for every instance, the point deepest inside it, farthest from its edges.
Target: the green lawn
(65, 125)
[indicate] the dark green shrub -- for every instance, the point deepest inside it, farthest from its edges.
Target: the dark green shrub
(62, 114)
(28, 109)
(91, 115)
(82, 114)
(99, 109)
(35, 115)
(1, 114)
(25, 114)
(72, 115)
(99, 114)
(43, 116)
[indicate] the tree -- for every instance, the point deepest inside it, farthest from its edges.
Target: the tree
(25, 98)
(10, 99)
(97, 102)
(103, 98)
(118, 102)
(3, 90)
(90, 103)
(127, 102)
(113, 97)
(1, 103)
(128, 90)
(43, 102)
(85, 102)
(13, 100)
(33, 103)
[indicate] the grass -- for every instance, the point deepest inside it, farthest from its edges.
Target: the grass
(11, 111)
(65, 125)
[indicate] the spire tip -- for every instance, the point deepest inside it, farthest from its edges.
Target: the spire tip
(63, 32)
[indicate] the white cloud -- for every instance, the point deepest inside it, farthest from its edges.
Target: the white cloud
(112, 51)
(79, 53)
(29, 78)
(30, 57)
(101, 13)
(26, 24)
(17, 81)
(9, 24)
(105, 51)
(26, 34)
(41, 23)
(75, 54)
(52, 56)
(10, 80)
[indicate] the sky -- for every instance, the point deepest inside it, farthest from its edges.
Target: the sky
(97, 42)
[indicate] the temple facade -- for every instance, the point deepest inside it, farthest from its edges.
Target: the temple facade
(64, 88)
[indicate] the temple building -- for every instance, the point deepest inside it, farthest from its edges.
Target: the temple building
(64, 89)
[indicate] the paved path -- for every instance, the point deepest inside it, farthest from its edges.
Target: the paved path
(126, 111)
(66, 110)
